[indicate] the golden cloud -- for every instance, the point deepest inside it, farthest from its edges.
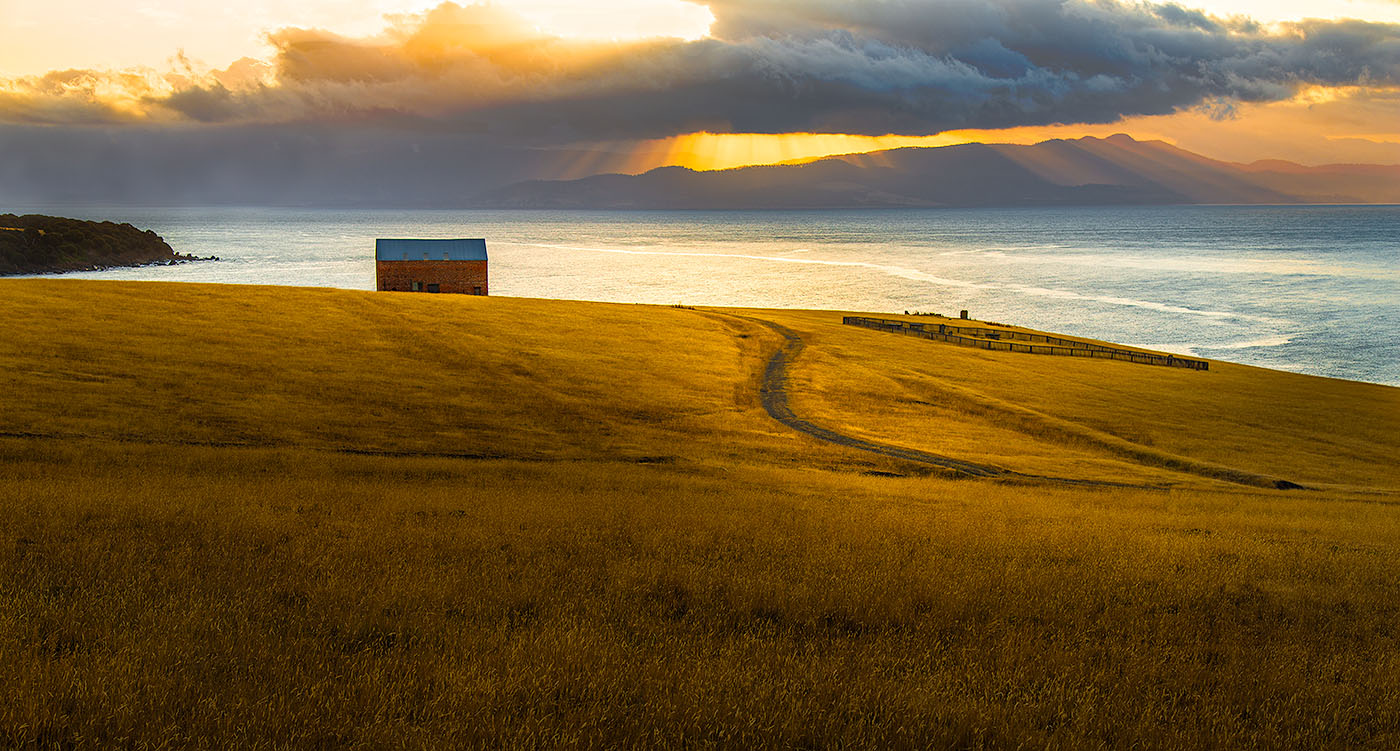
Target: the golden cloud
(907, 67)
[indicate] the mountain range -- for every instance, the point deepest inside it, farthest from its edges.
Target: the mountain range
(1117, 170)
(365, 166)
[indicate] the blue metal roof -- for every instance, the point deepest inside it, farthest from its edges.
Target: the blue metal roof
(429, 250)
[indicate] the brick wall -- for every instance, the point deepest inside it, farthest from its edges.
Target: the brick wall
(451, 276)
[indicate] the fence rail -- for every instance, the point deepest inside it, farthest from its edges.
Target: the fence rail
(1011, 341)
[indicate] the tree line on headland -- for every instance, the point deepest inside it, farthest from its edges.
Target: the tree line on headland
(35, 244)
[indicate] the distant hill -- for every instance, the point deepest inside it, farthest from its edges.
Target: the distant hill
(34, 244)
(1088, 171)
(364, 167)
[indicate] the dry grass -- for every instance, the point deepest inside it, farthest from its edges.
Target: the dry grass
(1096, 417)
(651, 562)
(389, 373)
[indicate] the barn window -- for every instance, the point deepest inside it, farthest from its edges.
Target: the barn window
(416, 287)
(432, 288)
(476, 290)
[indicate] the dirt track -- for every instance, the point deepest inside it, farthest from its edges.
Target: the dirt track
(774, 396)
(775, 400)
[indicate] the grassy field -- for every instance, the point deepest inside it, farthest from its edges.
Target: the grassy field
(264, 517)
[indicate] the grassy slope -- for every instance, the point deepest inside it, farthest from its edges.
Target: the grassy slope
(648, 558)
(1317, 431)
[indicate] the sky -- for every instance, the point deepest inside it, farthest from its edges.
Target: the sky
(713, 83)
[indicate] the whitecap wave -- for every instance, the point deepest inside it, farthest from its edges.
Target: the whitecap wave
(1268, 341)
(912, 274)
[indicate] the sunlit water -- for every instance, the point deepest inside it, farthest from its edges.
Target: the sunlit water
(1313, 289)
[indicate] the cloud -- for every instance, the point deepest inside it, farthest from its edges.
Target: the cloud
(895, 66)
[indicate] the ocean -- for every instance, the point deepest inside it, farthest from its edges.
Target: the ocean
(1311, 289)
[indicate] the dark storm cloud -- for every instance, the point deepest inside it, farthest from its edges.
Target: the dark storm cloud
(885, 66)
(1035, 62)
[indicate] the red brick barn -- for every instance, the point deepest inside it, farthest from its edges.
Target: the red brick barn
(431, 266)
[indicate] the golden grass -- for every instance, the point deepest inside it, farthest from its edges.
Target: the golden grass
(389, 373)
(650, 561)
(1054, 415)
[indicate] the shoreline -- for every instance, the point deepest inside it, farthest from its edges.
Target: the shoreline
(717, 308)
(180, 260)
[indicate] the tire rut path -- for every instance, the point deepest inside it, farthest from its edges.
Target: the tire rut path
(774, 396)
(773, 393)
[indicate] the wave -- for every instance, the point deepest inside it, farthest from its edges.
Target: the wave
(1194, 265)
(1268, 341)
(916, 275)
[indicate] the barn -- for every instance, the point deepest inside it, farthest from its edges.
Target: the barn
(458, 266)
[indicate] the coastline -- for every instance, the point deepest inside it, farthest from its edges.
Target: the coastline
(179, 260)
(1276, 287)
(41, 244)
(836, 313)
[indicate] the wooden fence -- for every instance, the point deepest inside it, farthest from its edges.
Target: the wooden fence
(1012, 341)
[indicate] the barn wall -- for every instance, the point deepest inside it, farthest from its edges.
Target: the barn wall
(451, 276)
